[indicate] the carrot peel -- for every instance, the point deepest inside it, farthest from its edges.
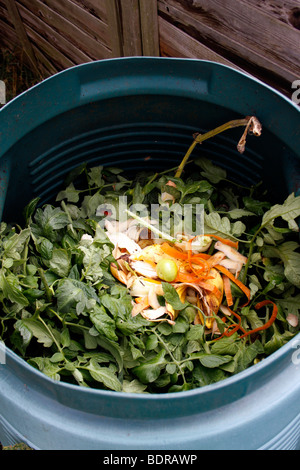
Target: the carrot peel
(226, 241)
(269, 322)
(242, 286)
(227, 290)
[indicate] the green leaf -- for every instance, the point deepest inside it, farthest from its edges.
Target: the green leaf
(213, 173)
(196, 333)
(277, 341)
(288, 211)
(120, 306)
(113, 348)
(213, 223)
(48, 221)
(188, 187)
(92, 259)
(103, 322)
(238, 213)
(57, 357)
(39, 331)
(45, 365)
(70, 193)
(73, 294)
(10, 286)
(14, 245)
(172, 296)
(253, 205)
(290, 257)
(149, 371)
(95, 176)
(90, 204)
(214, 360)
(104, 375)
(24, 331)
(290, 304)
(133, 386)
(152, 342)
(246, 355)
(226, 345)
(30, 208)
(60, 263)
(65, 338)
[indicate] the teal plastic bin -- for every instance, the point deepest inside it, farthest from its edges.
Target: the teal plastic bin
(117, 112)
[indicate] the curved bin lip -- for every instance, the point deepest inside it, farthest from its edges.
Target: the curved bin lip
(120, 404)
(116, 80)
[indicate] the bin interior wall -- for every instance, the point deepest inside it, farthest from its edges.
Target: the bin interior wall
(137, 133)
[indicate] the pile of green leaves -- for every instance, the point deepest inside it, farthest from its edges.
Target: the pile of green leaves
(65, 314)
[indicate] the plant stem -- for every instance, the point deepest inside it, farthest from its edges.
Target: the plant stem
(65, 209)
(45, 283)
(201, 137)
(149, 226)
(177, 363)
(51, 334)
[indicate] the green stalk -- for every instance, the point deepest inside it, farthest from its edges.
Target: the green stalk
(45, 283)
(150, 227)
(177, 363)
(65, 209)
(228, 125)
(51, 334)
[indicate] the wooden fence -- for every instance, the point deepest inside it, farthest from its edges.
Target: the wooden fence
(261, 38)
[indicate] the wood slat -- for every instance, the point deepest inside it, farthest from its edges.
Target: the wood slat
(114, 27)
(9, 39)
(53, 38)
(81, 18)
(282, 10)
(176, 43)
(56, 47)
(16, 19)
(94, 7)
(80, 39)
(239, 32)
(149, 27)
(132, 39)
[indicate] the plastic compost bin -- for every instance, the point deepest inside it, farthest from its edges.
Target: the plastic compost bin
(117, 112)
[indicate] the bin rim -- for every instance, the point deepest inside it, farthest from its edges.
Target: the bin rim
(154, 59)
(256, 370)
(38, 119)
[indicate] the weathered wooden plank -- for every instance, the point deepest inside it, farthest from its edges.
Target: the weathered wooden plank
(4, 14)
(58, 58)
(51, 41)
(95, 7)
(81, 18)
(239, 33)
(149, 27)
(51, 59)
(16, 19)
(132, 39)
(286, 11)
(114, 27)
(9, 39)
(80, 39)
(176, 43)
(8, 35)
